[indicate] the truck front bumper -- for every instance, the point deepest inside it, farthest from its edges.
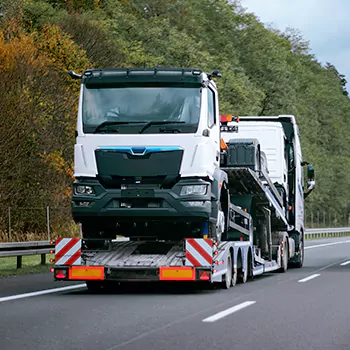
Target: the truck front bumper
(141, 202)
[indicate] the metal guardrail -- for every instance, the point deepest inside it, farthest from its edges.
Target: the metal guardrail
(20, 249)
(315, 233)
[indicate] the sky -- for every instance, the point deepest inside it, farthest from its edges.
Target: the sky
(325, 24)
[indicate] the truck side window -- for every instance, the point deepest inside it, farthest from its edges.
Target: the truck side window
(211, 109)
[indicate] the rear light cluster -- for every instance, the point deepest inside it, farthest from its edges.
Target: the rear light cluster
(204, 275)
(60, 274)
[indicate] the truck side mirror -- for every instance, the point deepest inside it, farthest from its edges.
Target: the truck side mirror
(311, 177)
(310, 171)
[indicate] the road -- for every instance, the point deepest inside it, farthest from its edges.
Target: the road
(304, 308)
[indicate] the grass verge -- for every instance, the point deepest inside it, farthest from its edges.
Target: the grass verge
(30, 264)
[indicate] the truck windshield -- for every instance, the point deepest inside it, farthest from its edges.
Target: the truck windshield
(129, 109)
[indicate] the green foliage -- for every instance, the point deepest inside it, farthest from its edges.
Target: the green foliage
(265, 72)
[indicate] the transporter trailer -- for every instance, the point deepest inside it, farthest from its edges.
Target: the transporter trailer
(167, 189)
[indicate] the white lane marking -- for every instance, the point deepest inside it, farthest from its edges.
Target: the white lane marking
(325, 244)
(41, 292)
(309, 278)
(345, 263)
(229, 311)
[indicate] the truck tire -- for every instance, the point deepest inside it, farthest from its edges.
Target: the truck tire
(299, 264)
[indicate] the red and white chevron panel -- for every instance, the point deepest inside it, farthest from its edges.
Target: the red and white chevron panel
(199, 252)
(68, 251)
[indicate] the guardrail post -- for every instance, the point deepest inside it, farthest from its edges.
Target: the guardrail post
(19, 262)
(43, 259)
(48, 222)
(9, 234)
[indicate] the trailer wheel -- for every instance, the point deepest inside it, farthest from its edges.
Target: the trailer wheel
(284, 266)
(227, 283)
(244, 276)
(234, 277)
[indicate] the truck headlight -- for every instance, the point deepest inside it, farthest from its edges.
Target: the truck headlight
(82, 189)
(193, 190)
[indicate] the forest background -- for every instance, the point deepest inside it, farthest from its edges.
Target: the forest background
(265, 72)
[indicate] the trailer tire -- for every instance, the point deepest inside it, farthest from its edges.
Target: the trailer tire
(285, 257)
(227, 283)
(243, 275)
(234, 277)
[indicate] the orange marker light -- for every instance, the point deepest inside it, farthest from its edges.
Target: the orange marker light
(223, 145)
(225, 118)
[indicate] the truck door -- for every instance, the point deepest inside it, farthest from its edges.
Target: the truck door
(213, 123)
(299, 177)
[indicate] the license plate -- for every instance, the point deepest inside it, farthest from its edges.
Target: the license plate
(136, 193)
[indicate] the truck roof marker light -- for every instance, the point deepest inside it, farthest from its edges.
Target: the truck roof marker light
(225, 118)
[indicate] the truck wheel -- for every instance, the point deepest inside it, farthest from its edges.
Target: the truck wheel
(300, 261)
(227, 283)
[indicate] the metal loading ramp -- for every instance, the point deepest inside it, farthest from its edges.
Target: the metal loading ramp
(245, 181)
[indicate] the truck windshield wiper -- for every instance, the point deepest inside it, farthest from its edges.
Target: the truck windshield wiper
(158, 123)
(107, 123)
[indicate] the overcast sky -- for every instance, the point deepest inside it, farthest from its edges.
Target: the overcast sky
(325, 24)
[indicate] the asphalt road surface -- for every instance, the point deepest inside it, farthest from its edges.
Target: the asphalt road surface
(306, 308)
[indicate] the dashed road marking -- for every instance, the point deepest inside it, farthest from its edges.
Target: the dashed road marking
(309, 278)
(229, 311)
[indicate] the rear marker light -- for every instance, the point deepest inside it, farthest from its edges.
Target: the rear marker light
(204, 276)
(61, 274)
